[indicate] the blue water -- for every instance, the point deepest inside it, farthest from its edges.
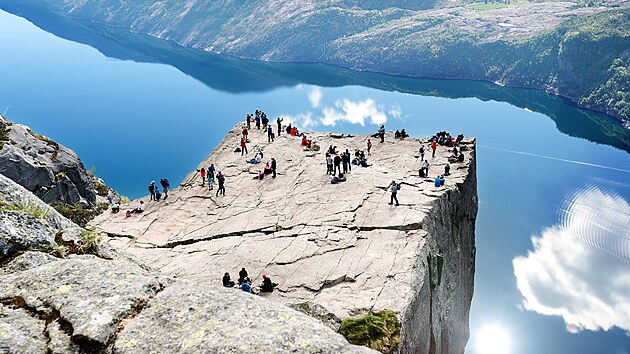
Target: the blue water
(550, 171)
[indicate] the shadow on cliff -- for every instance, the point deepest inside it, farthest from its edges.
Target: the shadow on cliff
(238, 75)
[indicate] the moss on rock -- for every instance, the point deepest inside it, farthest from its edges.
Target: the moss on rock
(379, 331)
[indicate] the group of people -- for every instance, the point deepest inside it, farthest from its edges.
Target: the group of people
(154, 195)
(211, 175)
(444, 138)
(245, 282)
(154, 190)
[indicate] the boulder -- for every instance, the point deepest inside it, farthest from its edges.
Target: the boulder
(189, 318)
(92, 294)
(21, 333)
(48, 169)
(21, 231)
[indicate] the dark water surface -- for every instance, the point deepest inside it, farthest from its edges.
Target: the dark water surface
(553, 240)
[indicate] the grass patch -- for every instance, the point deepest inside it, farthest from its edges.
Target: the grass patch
(485, 6)
(77, 214)
(39, 212)
(4, 134)
(379, 331)
(90, 240)
(88, 243)
(101, 189)
(124, 199)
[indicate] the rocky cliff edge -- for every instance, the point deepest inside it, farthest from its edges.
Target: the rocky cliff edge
(341, 246)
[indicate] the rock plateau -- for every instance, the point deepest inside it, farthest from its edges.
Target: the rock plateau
(340, 246)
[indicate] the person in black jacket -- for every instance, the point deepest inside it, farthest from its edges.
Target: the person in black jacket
(227, 282)
(273, 167)
(242, 276)
(152, 190)
(165, 186)
(221, 180)
(336, 162)
(267, 286)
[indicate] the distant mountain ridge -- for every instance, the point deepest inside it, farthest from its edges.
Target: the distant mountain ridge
(577, 49)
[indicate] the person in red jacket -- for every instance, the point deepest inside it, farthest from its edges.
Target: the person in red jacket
(243, 146)
(433, 147)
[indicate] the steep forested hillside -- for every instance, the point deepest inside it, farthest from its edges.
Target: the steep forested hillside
(579, 48)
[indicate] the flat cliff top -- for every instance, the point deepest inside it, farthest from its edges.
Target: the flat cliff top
(340, 245)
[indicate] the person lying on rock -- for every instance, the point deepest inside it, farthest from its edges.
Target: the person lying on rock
(267, 286)
(227, 282)
(242, 276)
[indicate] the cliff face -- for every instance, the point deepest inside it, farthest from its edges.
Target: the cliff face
(50, 170)
(63, 290)
(340, 246)
(524, 44)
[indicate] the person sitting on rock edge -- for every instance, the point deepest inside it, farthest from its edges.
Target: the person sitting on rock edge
(115, 207)
(267, 286)
(227, 282)
(242, 276)
(139, 209)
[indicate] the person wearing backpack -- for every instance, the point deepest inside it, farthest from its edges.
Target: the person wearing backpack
(165, 186)
(395, 187)
(152, 190)
(422, 153)
(221, 180)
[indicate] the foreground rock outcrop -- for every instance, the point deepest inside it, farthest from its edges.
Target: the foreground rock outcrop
(53, 301)
(340, 246)
(48, 169)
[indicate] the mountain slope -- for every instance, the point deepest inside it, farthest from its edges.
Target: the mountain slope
(538, 44)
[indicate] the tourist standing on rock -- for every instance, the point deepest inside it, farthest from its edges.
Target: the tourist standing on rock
(264, 120)
(249, 121)
(270, 136)
(243, 146)
(227, 282)
(202, 173)
(433, 147)
(257, 121)
(221, 181)
(152, 190)
(279, 122)
(165, 186)
(329, 164)
(422, 151)
(210, 177)
(394, 187)
(369, 147)
(273, 167)
(345, 161)
(348, 158)
(245, 132)
(381, 133)
(425, 166)
(337, 162)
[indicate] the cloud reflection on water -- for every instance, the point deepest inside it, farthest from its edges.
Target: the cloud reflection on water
(580, 268)
(342, 111)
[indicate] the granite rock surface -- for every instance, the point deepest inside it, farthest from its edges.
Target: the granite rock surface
(341, 246)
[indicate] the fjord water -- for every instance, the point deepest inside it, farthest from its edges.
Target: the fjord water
(553, 241)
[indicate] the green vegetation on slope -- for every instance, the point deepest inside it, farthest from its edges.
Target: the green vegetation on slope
(379, 331)
(613, 94)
